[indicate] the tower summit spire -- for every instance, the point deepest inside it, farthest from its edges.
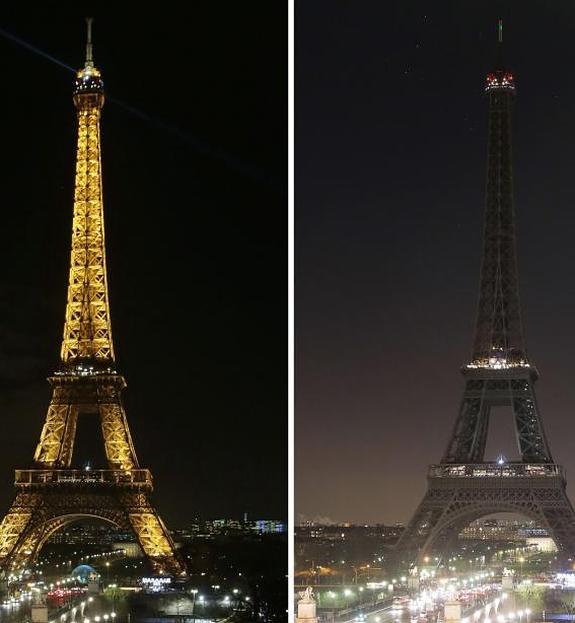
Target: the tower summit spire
(499, 62)
(89, 59)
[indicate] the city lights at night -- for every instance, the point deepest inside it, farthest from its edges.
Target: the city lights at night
(285, 314)
(426, 246)
(127, 258)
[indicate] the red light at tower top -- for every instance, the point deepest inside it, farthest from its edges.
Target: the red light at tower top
(500, 81)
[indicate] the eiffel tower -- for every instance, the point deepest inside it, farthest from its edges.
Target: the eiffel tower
(463, 486)
(52, 494)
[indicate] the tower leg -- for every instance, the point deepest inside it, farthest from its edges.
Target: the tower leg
(21, 531)
(412, 546)
(528, 424)
(14, 525)
(468, 438)
(117, 439)
(57, 438)
(560, 517)
(152, 534)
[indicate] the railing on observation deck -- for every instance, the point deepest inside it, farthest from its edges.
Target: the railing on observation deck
(134, 477)
(496, 470)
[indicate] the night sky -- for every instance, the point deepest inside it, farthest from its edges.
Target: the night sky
(391, 137)
(194, 164)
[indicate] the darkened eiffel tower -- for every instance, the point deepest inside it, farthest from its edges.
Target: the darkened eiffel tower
(463, 487)
(52, 494)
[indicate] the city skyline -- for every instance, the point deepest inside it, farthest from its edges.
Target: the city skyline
(395, 212)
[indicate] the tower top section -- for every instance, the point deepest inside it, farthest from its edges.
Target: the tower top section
(87, 341)
(88, 79)
(499, 339)
(500, 79)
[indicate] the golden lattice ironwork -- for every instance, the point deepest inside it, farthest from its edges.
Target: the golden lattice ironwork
(87, 329)
(53, 495)
(59, 430)
(89, 393)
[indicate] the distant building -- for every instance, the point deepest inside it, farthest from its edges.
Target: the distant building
(337, 532)
(503, 530)
(90, 535)
(338, 548)
(210, 528)
(130, 550)
(543, 544)
(268, 526)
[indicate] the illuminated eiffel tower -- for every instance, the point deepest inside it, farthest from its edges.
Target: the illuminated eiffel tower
(464, 487)
(52, 495)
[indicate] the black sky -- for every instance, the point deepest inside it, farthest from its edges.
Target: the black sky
(195, 202)
(391, 127)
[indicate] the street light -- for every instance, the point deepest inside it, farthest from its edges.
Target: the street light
(194, 592)
(347, 593)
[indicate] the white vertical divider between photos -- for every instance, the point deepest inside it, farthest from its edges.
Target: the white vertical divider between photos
(291, 523)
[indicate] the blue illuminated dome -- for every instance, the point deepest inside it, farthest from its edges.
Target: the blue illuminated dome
(83, 572)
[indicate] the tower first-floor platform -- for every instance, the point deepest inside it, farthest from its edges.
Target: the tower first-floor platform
(49, 499)
(458, 494)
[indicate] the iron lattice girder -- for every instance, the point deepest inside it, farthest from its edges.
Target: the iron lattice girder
(49, 497)
(499, 374)
(489, 388)
(73, 395)
(84, 479)
(498, 328)
(35, 516)
(453, 502)
(88, 329)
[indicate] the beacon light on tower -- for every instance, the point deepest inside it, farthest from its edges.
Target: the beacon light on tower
(499, 81)
(88, 79)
